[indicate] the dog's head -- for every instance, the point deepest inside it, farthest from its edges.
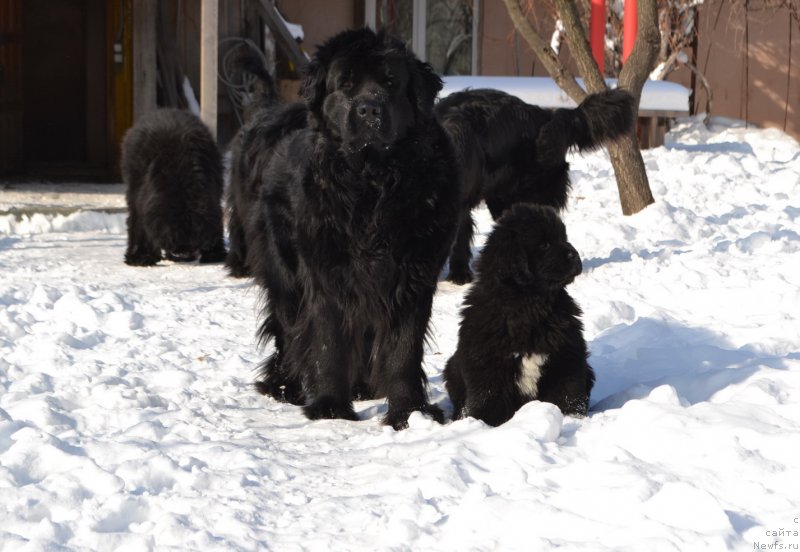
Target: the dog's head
(528, 247)
(368, 90)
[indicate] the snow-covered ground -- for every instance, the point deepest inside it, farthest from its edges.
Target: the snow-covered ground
(128, 421)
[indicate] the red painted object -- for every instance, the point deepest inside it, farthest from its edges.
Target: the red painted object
(630, 25)
(597, 32)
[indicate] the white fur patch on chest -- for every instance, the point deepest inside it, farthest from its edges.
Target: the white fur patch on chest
(530, 372)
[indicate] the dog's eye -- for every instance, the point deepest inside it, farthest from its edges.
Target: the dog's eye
(346, 81)
(544, 246)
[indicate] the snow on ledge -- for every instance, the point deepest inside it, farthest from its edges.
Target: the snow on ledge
(544, 92)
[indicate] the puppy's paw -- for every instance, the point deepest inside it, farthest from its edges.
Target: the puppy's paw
(398, 417)
(329, 408)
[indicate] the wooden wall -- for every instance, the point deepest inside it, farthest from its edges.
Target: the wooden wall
(751, 58)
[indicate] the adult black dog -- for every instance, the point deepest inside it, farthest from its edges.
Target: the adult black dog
(521, 337)
(266, 123)
(173, 172)
(513, 152)
(356, 213)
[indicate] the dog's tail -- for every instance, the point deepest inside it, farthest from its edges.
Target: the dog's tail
(600, 118)
(261, 91)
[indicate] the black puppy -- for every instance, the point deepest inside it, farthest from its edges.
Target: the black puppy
(521, 337)
(173, 172)
(357, 207)
(512, 152)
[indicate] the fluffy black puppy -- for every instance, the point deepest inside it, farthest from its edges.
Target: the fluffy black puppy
(356, 213)
(521, 337)
(513, 152)
(173, 172)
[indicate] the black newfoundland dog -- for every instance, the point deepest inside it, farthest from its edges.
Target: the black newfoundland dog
(512, 152)
(173, 172)
(266, 123)
(356, 212)
(521, 338)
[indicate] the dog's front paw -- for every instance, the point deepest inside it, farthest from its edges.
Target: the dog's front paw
(139, 259)
(180, 257)
(329, 408)
(215, 255)
(236, 267)
(398, 417)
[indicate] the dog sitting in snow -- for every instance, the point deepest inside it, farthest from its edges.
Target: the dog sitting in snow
(173, 172)
(521, 338)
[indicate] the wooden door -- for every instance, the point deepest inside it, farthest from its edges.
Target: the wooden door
(10, 86)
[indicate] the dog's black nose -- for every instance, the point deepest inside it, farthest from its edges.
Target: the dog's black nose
(574, 258)
(368, 110)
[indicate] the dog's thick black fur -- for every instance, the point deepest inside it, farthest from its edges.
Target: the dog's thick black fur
(521, 337)
(512, 152)
(266, 123)
(173, 172)
(357, 209)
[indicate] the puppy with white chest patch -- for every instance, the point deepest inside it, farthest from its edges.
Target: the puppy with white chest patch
(521, 338)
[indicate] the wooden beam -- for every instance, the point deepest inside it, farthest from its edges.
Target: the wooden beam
(209, 49)
(145, 76)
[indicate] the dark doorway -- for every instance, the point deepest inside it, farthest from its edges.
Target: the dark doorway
(65, 87)
(10, 86)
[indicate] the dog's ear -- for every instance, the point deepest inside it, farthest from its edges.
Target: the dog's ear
(423, 85)
(312, 88)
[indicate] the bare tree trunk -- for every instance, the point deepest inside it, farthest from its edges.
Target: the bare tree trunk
(632, 183)
(626, 158)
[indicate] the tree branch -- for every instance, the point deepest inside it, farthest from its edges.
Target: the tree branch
(645, 50)
(546, 55)
(579, 46)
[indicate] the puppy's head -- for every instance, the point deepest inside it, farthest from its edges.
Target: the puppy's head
(368, 90)
(528, 248)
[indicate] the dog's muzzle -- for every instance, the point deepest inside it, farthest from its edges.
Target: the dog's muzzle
(370, 124)
(574, 262)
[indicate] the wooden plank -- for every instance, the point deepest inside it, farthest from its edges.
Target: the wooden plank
(145, 78)
(209, 49)
(662, 113)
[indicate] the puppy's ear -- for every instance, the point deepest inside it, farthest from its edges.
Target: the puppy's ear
(312, 89)
(423, 85)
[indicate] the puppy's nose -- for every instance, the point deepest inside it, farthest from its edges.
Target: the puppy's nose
(574, 258)
(369, 110)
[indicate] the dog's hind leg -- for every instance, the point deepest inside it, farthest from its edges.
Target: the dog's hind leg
(216, 254)
(461, 252)
(140, 251)
(276, 383)
(236, 259)
(277, 378)
(454, 383)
